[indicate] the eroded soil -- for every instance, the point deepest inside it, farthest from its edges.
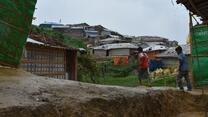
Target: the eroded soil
(25, 95)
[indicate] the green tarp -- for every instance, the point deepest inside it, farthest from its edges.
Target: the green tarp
(15, 21)
(200, 54)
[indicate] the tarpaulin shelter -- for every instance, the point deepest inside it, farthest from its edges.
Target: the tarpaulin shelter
(15, 21)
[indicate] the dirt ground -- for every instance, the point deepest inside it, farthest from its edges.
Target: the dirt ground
(25, 95)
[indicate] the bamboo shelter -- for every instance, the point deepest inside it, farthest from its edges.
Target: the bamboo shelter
(49, 60)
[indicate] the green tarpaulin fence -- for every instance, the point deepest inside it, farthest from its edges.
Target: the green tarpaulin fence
(200, 54)
(15, 21)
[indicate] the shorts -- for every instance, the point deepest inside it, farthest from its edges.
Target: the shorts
(143, 74)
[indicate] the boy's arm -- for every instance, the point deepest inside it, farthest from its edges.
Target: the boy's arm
(180, 62)
(138, 62)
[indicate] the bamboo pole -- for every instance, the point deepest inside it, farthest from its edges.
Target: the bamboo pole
(191, 42)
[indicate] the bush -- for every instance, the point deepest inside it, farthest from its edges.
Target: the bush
(87, 69)
(118, 70)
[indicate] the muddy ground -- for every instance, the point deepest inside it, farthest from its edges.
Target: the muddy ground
(25, 95)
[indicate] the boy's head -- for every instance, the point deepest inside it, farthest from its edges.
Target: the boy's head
(140, 49)
(179, 49)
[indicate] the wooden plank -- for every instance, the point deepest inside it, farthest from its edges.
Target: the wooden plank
(42, 62)
(45, 62)
(51, 74)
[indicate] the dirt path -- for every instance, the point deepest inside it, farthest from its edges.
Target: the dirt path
(26, 95)
(194, 114)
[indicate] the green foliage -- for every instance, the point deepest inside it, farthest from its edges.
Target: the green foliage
(66, 39)
(119, 70)
(129, 81)
(109, 74)
(87, 69)
(168, 81)
(77, 43)
(132, 81)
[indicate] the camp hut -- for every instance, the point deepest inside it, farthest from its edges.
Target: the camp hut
(99, 51)
(50, 60)
(121, 49)
(118, 49)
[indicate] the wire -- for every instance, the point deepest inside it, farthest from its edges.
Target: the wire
(172, 2)
(195, 19)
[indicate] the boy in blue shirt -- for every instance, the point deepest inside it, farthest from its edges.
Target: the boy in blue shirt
(183, 69)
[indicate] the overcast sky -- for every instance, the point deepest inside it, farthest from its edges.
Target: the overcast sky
(128, 17)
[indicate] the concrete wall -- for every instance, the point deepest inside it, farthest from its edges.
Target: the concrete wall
(119, 52)
(99, 53)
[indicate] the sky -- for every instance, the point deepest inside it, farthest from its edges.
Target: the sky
(162, 18)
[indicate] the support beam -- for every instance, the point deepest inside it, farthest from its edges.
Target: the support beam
(195, 8)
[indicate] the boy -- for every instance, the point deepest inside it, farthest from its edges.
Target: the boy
(183, 69)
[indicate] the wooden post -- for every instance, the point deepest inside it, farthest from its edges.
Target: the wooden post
(72, 64)
(190, 36)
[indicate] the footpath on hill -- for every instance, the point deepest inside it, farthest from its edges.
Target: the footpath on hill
(25, 95)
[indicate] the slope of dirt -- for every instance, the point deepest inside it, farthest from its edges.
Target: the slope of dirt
(25, 95)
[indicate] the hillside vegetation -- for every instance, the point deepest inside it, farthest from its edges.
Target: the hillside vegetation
(64, 39)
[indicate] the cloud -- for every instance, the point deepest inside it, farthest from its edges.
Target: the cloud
(130, 17)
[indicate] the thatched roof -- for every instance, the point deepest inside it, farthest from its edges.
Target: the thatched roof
(197, 7)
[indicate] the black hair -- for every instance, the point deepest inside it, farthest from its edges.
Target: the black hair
(140, 49)
(179, 49)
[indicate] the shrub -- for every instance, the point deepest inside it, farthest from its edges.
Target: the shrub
(87, 69)
(118, 70)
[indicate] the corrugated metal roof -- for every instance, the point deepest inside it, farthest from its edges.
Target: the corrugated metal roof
(198, 7)
(53, 23)
(29, 40)
(32, 41)
(114, 36)
(60, 26)
(155, 43)
(110, 39)
(116, 46)
(155, 48)
(76, 28)
(82, 49)
(90, 31)
(170, 52)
